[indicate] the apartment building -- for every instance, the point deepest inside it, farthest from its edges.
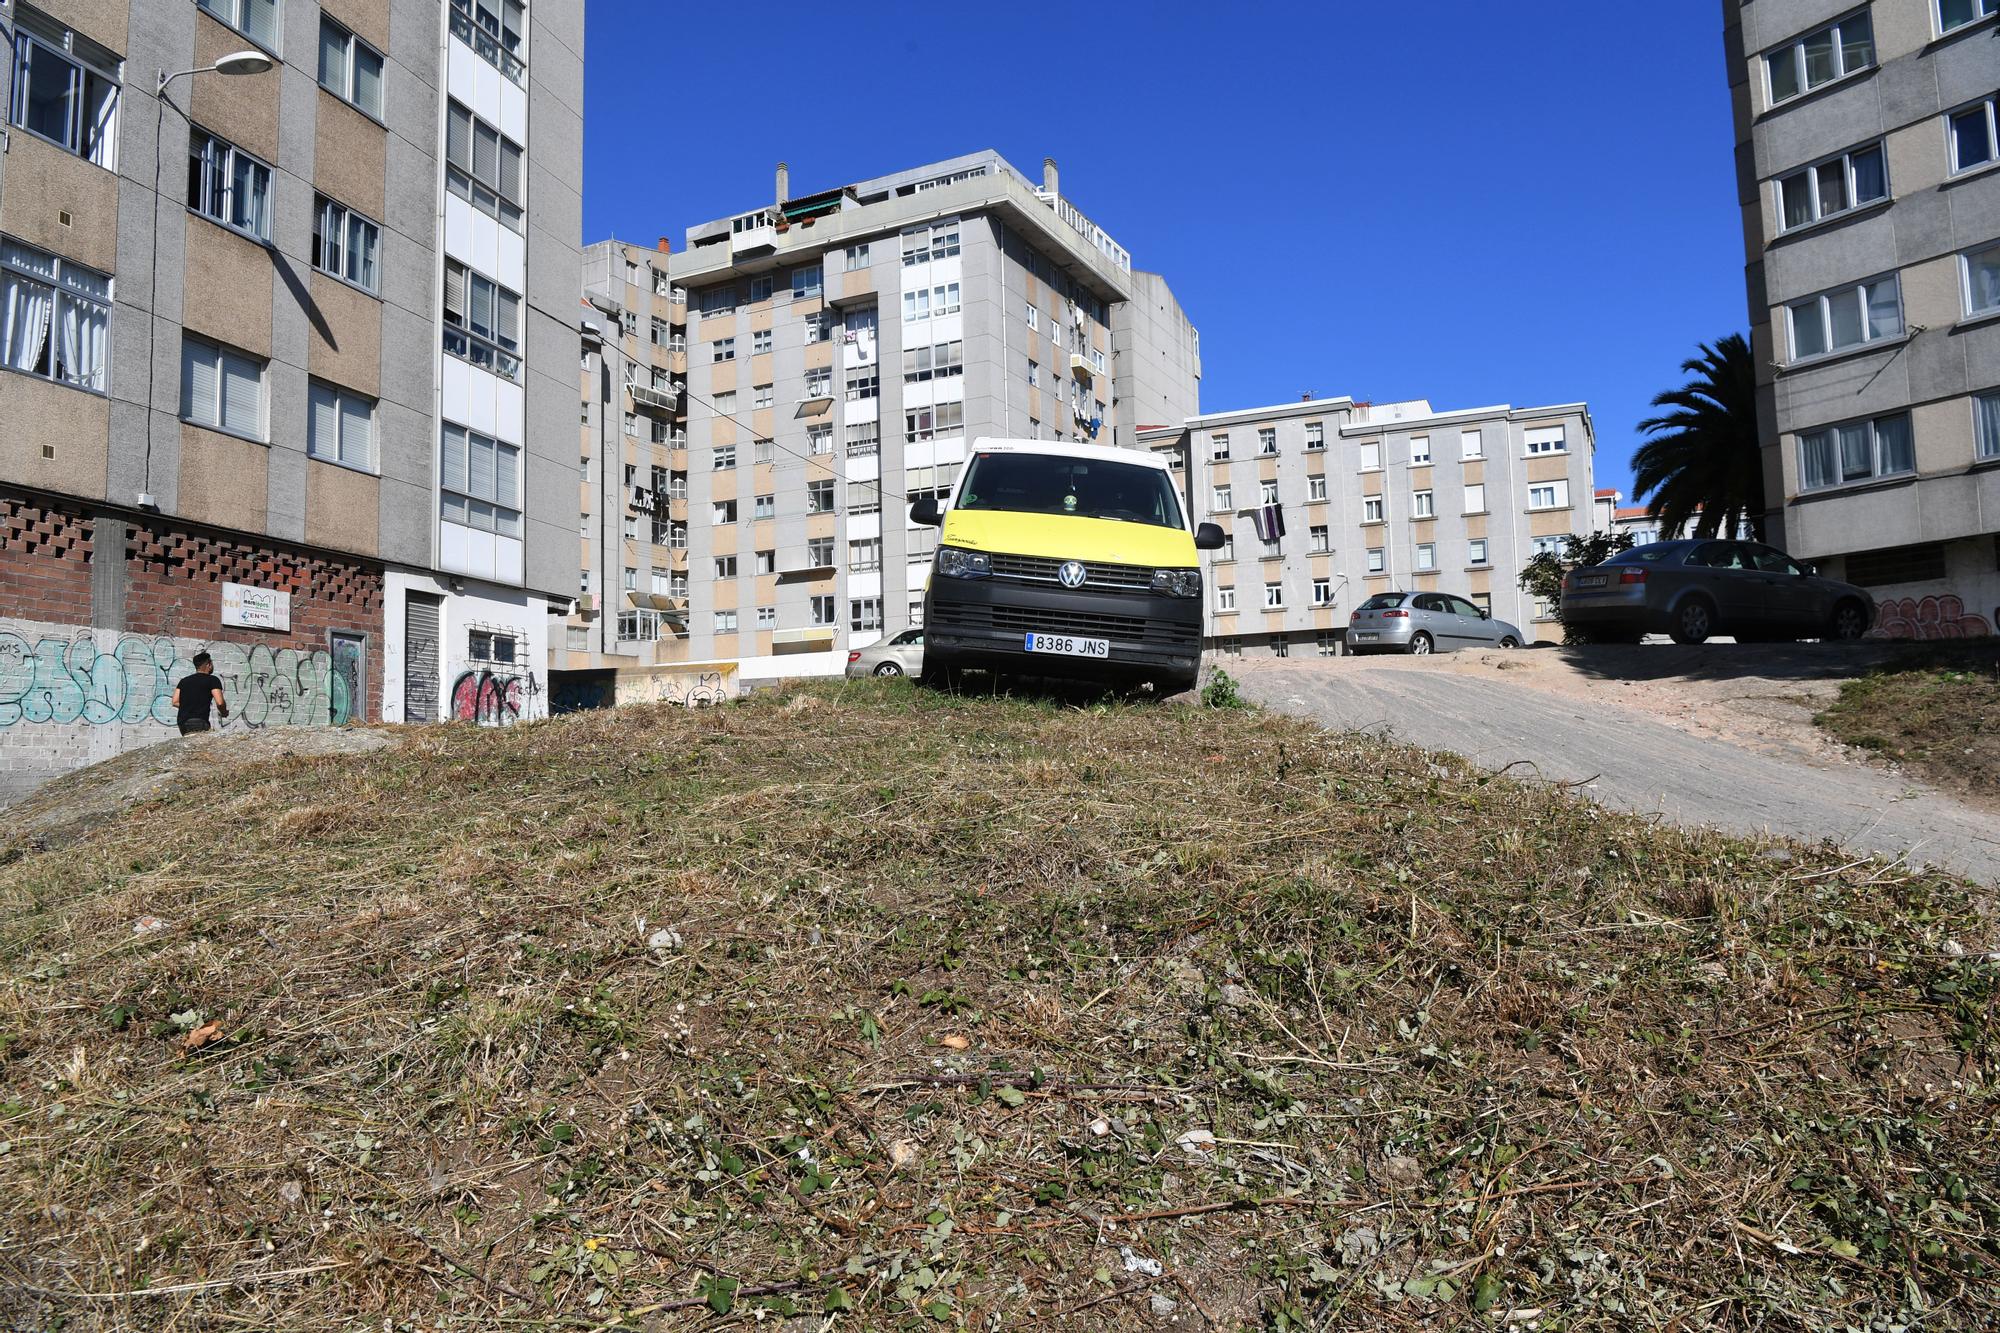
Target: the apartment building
(1330, 501)
(842, 347)
(1868, 164)
(288, 294)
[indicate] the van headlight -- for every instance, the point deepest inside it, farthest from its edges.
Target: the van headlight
(957, 563)
(1177, 582)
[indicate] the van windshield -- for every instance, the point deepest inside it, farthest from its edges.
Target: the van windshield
(1081, 487)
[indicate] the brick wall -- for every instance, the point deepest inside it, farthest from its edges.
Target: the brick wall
(45, 555)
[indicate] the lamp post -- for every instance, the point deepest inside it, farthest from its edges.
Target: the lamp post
(235, 63)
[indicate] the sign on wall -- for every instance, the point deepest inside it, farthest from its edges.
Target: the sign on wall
(256, 608)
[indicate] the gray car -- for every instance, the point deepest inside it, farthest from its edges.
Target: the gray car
(1697, 588)
(902, 655)
(1424, 622)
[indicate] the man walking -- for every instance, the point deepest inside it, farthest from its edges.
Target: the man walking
(195, 693)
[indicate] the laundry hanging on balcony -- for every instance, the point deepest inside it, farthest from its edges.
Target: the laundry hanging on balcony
(1269, 522)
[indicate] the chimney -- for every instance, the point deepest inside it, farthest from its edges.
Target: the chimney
(1049, 179)
(666, 245)
(784, 184)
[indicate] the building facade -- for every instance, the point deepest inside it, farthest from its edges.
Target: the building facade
(282, 352)
(842, 348)
(1329, 501)
(1868, 164)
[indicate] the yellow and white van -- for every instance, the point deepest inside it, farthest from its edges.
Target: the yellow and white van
(1070, 560)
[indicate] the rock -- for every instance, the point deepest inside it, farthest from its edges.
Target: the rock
(1197, 1143)
(1162, 1305)
(902, 1155)
(1400, 1173)
(1234, 996)
(664, 941)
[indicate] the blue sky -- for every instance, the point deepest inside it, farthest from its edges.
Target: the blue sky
(1461, 201)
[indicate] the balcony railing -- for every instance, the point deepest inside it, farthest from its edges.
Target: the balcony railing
(480, 352)
(662, 400)
(488, 47)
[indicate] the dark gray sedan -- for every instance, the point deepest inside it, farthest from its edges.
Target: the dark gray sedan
(1695, 589)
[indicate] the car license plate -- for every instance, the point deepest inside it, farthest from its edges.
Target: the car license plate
(1067, 644)
(1591, 581)
(1364, 634)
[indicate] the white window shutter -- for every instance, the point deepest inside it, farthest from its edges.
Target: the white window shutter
(242, 394)
(454, 292)
(455, 468)
(198, 383)
(322, 422)
(357, 432)
(510, 172)
(458, 137)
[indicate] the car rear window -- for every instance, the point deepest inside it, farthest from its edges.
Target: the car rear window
(1657, 553)
(1382, 601)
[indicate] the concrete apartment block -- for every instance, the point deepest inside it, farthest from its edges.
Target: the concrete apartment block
(1376, 498)
(841, 349)
(230, 367)
(1868, 168)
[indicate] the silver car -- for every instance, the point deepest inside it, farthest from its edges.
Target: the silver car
(1425, 622)
(902, 655)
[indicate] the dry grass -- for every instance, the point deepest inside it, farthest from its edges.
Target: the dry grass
(1940, 717)
(977, 1013)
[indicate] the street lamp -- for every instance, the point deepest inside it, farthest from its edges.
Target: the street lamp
(236, 62)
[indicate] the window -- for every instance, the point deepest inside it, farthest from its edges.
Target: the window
(1475, 551)
(1954, 14)
(631, 579)
(725, 566)
(763, 451)
(723, 350)
(1322, 592)
(1315, 435)
(760, 289)
(819, 382)
(482, 482)
(1274, 596)
(1986, 424)
(222, 389)
(1821, 56)
(819, 439)
(724, 403)
(340, 426)
(482, 321)
(57, 317)
(762, 395)
(483, 167)
(725, 511)
(1856, 451)
(65, 88)
(1475, 498)
(725, 622)
(806, 281)
(1224, 500)
(1281, 647)
(1483, 601)
(760, 341)
(1267, 440)
(349, 68)
(818, 327)
(864, 555)
(1316, 487)
(1471, 444)
(662, 582)
(1033, 316)
(1227, 551)
(1974, 142)
(929, 422)
(857, 256)
(492, 28)
(723, 457)
(1225, 597)
(936, 240)
(819, 497)
(1551, 545)
(923, 303)
(1320, 541)
(719, 300)
(1846, 317)
(677, 537)
(1375, 560)
(1549, 495)
(1420, 450)
(1034, 373)
(1427, 555)
(864, 613)
(1423, 504)
(662, 335)
(1328, 642)
(764, 506)
(1267, 492)
(346, 244)
(1370, 456)
(822, 610)
(926, 363)
(227, 185)
(1545, 440)
(1830, 188)
(764, 562)
(1371, 509)
(255, 19)
(1218, 448)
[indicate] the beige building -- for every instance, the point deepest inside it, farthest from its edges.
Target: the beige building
(1375, 498)
(1868, 162)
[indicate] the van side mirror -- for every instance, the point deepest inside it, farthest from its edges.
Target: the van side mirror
(926, 511)
(1209, 537)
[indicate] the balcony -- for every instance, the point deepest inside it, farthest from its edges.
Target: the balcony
(487, 46)
(1081, 367)
(659, 400)
(678, 296)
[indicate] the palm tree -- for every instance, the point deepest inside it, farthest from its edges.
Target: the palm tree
(1703, 467)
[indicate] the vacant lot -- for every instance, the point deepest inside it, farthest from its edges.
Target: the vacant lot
(950, 1013)
(1940, 720)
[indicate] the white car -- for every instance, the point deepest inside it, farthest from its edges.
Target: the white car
(902, 655)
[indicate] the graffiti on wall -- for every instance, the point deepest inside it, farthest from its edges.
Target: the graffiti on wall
(97, 678)
(684, 688)
(1927, 618)
(495, 696)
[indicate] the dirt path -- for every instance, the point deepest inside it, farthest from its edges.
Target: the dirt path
(1719, 735)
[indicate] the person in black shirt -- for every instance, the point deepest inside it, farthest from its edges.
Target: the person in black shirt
(195, 693)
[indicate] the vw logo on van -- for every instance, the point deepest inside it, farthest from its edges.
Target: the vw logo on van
(1071, 573)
